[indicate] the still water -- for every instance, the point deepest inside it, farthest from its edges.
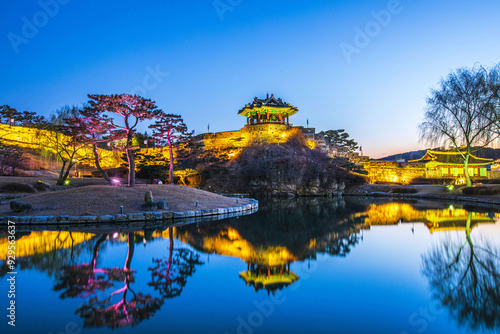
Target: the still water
(295, 266)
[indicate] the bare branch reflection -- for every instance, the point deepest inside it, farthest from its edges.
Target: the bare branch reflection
(465, 278)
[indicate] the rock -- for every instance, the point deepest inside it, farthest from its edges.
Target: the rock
(148, 197)
(162, 205)
(151, 206)
(17, 206)
(41, 186)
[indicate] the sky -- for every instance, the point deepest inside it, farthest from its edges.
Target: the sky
(363, 66)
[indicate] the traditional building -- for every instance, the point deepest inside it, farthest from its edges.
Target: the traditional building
(451, 164)
(269, 110)
(433, 165)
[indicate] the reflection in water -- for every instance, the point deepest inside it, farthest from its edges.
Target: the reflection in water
(465, 277)
(169, 275)
(85, 280)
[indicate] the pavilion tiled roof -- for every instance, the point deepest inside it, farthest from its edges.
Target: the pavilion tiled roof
(269, 101)
(451, 158)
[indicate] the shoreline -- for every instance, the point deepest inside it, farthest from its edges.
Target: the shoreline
(155, 216)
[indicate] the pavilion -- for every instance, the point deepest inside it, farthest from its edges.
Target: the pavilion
(268, 110)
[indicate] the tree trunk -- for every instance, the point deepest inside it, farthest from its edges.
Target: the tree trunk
(130, 253)
(171, 160)
(466, 169)
(131, 168)
(60, 180)
(98, 165)
(66, 174)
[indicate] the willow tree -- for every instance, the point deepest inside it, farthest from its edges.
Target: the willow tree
(132, 109)
(170, 130)
(457, 113)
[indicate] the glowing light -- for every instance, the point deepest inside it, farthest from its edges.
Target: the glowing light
(450, 207)
(115, 181)
(450, 187)
(115, 235)
(66, 182)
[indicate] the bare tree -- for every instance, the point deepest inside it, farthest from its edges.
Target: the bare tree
(457, 112)
(465, 278)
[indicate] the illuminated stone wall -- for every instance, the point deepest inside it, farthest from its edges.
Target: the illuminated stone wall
(230, 143)
(44, 140)
(392, 171)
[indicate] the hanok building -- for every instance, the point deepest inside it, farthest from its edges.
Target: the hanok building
(451, 164)
(433, 165)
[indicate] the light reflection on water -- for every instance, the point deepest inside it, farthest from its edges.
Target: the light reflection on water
(306, 265)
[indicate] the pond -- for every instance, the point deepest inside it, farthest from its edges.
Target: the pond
(310, 265)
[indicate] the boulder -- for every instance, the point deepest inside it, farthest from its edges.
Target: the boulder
(151, 206)
(41, 186)
(162, 205)
(17, 206)
(148, 197)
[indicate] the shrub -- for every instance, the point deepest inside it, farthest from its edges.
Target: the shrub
(153, 172)
(480, 191)
(15, 187)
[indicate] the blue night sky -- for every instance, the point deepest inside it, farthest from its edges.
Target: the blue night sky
(208, 62)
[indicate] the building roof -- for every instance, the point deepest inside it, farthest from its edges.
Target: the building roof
(451, 158)
(269, 104)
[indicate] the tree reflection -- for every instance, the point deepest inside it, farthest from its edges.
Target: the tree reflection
(466, 279)
(85, 280)
(169, 275)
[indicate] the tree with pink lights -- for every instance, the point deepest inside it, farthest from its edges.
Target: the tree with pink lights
(131, 110)
(170, 130)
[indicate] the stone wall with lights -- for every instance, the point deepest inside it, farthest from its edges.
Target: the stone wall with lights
(230, 143)
(43, 140)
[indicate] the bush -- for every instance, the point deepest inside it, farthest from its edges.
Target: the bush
(494, 181)
(121, 172)
(153, 172)
(404, 191)
(480, 191)
(15, 187)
